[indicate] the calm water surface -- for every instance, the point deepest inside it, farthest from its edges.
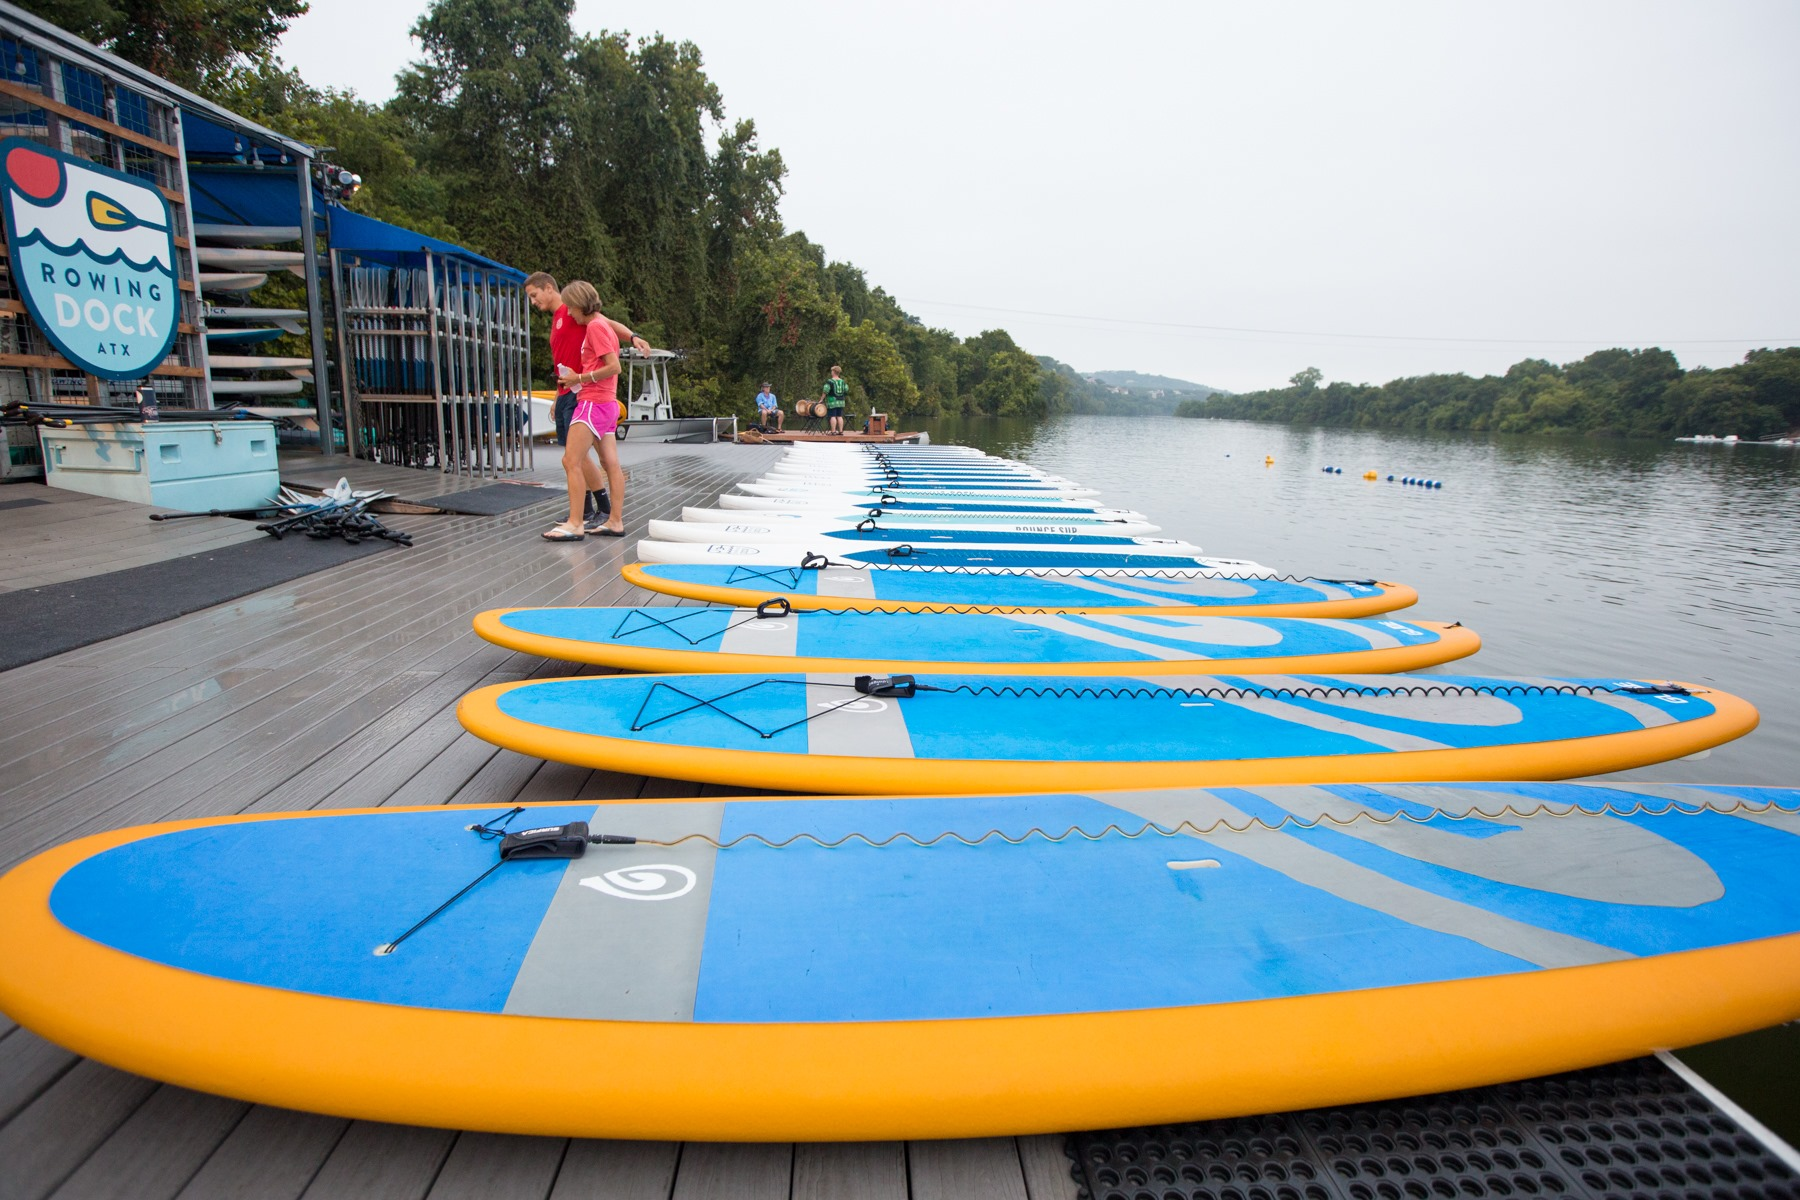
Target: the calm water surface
(1568, 556)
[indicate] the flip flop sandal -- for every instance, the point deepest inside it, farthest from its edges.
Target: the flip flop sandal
(561, 534)
(603, 531)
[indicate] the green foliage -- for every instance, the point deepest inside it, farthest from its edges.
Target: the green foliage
(1623, 392)
(871, 361)
(588, 157)
(197, 44)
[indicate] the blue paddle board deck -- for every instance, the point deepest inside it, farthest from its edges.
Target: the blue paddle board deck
(919, 588)
(774, 638)
(914, 967)
(997, 733)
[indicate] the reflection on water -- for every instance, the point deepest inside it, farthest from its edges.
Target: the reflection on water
(1570, 556)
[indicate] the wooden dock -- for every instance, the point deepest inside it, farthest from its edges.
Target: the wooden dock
(338, 690)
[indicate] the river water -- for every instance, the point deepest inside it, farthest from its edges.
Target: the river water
(1569, 556)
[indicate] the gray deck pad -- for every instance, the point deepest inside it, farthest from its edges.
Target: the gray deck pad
(49, 620)
(1631, 1129)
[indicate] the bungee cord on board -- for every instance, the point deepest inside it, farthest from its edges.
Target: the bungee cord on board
(649, 620)
(1190, 829)
(905, 686)
(820, 562)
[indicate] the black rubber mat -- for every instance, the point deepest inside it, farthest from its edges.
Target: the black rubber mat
(43, 621)
(1631, 1130)
(24, 502)
(495, 499)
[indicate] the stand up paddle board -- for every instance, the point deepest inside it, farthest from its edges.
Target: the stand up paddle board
(1146, 555)
(249, 336)
(893, 504)
(245, 258)
(1115, 521)
(990, 493)
(775, 638)
(901, 588)
(231, 281)
(779, 970)
(246, 235)
(1005, 535)
(819, 731)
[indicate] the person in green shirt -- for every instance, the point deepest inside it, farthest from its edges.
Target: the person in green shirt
(835, 393)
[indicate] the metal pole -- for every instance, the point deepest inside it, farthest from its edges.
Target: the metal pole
(437, 384)
(465, 353)
(345, 353)
(493, 449)
(521, 326)
(315, 312)
(197, 309)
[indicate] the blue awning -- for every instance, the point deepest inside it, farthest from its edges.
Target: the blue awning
(206, 139)
(353, 233)
(235, 196)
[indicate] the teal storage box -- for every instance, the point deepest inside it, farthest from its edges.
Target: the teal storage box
(193, 466)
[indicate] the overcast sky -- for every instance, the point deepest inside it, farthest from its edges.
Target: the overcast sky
(1230, 193)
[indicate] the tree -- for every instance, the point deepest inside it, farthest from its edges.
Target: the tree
(489, 110)
(589, 157)
(1009, 387)
(197, 44)
(873, 366)
(1308, 379)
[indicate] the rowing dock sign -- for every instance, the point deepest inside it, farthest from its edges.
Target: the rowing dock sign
(93, 255)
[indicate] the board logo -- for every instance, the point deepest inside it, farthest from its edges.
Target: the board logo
(93, 255)
(653, 881)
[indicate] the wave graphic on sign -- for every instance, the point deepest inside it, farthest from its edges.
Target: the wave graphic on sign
(92, 253)
(83, 210)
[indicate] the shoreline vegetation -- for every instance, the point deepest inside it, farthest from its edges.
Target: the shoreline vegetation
(608, 158)
(1618, 393)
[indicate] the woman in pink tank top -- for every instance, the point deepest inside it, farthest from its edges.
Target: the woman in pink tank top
(596, 414)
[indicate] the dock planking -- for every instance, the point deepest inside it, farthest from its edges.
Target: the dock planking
(339, 690)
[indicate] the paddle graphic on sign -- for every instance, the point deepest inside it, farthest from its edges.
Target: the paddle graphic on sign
(93, 256)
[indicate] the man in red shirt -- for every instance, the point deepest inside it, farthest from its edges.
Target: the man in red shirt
(565, 350)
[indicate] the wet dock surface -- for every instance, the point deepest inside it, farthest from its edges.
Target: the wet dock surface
(338, 690)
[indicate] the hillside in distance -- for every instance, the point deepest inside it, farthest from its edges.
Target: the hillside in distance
(1091, 392)
(1137, 381)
